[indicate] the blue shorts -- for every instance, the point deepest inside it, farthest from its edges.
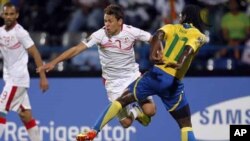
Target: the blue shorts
(158, 82)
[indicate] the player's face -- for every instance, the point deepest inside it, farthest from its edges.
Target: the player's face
(10, 16)
(112, 25)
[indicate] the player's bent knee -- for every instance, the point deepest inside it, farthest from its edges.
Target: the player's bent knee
(149, 112)
(149, 109)
(126, 122)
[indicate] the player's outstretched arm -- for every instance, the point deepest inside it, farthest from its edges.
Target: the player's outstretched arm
(73, 51)
(44, 85)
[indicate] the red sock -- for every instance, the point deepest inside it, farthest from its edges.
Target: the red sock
(2, 120)
(30, 124)
(33, 130)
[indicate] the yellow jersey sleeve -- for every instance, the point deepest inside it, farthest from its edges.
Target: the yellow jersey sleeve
(196, 41)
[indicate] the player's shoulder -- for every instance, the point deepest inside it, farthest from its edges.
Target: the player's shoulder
(199, 36)
(180, 27)
(19, 28)
(128, 27)
(20, 31)
(196, 32)
(168, 27)
(131, 30)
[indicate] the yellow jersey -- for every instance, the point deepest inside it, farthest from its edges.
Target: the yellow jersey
(176, 38)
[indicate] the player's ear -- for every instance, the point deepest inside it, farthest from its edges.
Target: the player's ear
(120, 21)
(17, 15)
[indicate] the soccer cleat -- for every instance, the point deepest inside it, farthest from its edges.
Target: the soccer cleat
(142, 118)
(86, 135)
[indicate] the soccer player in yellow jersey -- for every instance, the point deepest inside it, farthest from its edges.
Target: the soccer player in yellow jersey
(182, 42)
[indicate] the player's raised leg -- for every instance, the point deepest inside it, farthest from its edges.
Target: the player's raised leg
(109, 113)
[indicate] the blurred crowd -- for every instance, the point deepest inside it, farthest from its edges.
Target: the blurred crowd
(56, 25)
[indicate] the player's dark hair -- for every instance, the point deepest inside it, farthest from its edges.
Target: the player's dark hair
(116, 10)
(192, 14)
(9, 4)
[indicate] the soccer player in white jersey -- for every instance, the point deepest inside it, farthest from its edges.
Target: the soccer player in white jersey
(15, 44)
(115, 45)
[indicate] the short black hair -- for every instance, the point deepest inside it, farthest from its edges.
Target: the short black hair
(9, 4)
(192, 14)
(116, 10)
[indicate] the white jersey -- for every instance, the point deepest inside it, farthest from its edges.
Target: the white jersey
(13, 45)
(116, 53)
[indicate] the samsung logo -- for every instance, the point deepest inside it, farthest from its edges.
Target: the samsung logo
(213, 122)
